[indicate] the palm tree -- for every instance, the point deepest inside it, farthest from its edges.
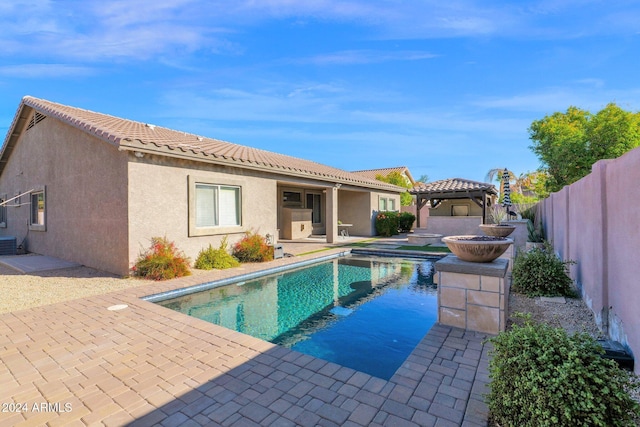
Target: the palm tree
(496, 175)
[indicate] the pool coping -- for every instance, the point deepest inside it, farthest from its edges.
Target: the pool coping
(175, 293)
(146, 364)
(239, 278)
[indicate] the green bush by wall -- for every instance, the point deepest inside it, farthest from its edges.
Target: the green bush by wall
(161, 261)
(387, 223)
(540, 376)
(220, 258)
(540, 272)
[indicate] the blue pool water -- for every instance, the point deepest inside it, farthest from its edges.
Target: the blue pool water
(366, 313)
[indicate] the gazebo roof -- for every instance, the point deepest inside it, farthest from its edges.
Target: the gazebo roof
(453, 188)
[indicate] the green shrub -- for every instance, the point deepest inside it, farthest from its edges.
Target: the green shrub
(253, 248)
(534, 234)
(540, 376)
(161, 261)
(529, 213)
(220, 258)
(405, 221)
(540, 272)
(387, 223)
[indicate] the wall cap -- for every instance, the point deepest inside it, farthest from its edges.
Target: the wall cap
(453, 264)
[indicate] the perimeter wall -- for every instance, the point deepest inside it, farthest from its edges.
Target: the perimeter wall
(596, 222)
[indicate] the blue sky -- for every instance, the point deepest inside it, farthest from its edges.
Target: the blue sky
(446, 88)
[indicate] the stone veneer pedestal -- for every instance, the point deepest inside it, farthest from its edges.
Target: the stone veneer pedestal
(471, 295)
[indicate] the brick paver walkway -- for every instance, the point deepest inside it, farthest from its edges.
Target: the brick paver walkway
(78, 363)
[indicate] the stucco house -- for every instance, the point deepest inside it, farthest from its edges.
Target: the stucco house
(92, 188)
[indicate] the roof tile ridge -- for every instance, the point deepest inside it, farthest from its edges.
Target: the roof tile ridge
(87, 125)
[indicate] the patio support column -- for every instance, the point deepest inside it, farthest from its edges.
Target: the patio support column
(332, 214)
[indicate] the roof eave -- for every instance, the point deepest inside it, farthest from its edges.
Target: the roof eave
(13, 134)
(187, 154)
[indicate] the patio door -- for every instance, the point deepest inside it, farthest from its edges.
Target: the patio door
(314, 202)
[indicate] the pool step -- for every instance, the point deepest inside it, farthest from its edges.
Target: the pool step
(341, 311)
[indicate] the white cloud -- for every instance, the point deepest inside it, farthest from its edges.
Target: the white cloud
(95, 30)
(335, 106)
(45, 70)
(590, 94)
(350, 57)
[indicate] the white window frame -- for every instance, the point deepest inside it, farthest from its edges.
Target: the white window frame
(41, 223)
(386, 204)
(216, 224)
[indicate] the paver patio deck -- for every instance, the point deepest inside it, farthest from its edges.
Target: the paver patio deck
(148, 365)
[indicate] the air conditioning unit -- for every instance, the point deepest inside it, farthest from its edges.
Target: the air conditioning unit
(7, 246)
(278, 251)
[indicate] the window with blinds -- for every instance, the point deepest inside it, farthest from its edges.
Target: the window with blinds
(217, 205)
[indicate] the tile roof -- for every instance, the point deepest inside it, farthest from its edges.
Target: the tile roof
(132, 135)
(453, 185)
(373, 173)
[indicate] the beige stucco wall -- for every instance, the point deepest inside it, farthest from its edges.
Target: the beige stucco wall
(374, 198)
(452, 225)
(159, 202)
(445, 208)
(355, 207)
(596, 222)
(86, 195)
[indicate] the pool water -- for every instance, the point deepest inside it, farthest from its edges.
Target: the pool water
(366, 313)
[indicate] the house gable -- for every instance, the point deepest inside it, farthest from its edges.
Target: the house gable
(79, 184)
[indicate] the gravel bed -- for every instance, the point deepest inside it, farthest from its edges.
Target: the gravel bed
(22, 291)
(573, 315)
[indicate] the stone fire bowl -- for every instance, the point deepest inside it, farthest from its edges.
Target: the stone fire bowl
(497, 230)
(477, 248)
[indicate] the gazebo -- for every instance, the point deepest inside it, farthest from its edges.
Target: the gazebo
(437, 192)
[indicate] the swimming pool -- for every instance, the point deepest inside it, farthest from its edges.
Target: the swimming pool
(366, 313)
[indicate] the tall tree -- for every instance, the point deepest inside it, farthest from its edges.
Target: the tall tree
(568, 143)
(396, 178)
